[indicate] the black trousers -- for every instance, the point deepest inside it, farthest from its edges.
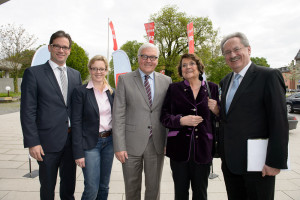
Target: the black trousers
(185, 173)
(48, 169)
(249, 186)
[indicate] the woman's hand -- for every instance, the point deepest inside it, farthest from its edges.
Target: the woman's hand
(213, 106)
(190, 120)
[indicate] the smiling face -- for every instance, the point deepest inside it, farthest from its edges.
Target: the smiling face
(189, 69)
(59, 56)
(147, 66)
(98, 71)
(237, 56)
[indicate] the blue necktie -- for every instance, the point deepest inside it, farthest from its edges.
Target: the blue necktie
(232, 91)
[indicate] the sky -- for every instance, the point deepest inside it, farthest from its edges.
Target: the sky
(272, 27)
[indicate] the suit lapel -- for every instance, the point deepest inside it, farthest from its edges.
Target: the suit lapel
(51, 76)
(139, 82)
(225, 88)
(157, 87)
(91, 97)
(70, 84)
(250, 74)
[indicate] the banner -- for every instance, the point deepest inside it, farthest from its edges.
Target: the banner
(190, 33)
(113, 35)
(121, 64)
(150, 31)
(41, 56)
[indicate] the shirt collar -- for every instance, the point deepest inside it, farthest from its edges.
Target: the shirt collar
(90, 85)
(54, 65)
(143, 74)
(244, 70)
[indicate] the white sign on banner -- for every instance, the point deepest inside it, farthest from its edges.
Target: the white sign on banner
(41, 56)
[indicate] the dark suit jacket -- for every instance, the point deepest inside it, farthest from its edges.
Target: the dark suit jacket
(44, 115)
(85, 119)
(258, 110)
(180, 102)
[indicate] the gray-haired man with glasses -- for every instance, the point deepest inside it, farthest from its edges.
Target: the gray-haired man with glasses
(253, 108)
(138, 135)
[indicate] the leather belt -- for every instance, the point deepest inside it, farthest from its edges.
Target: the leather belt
(104, 134)
(69, 130)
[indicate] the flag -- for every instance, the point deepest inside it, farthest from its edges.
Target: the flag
(121, 64)
(41, 56)
(190, 32)
(113, 35)
(150, 31)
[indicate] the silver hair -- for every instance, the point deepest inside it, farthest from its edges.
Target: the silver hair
(148, 45)
(242, 36)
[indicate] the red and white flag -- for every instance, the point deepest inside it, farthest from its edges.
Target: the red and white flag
(190, 32)
(150, 31)
(113, 35)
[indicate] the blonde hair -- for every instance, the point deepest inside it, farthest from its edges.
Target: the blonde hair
(101, 58)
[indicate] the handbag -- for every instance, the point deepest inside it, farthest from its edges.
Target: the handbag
(215, 128)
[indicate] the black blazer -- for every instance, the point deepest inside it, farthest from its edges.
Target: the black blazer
(258, 110)
(44, 115)
(85, 119)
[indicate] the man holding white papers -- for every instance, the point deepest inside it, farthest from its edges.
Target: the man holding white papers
(252, 107)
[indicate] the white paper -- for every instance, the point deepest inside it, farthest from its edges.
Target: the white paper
(257, 151)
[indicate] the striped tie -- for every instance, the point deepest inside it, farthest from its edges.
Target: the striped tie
(64, 84)
(148, 89)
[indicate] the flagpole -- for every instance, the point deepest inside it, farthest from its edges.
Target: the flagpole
(108, 48)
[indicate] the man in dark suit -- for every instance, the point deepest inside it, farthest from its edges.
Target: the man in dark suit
(256, 110)
(138, 135)
(45, 117)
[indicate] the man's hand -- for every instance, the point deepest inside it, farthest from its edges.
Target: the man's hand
(121, 156)
(190, 120)
(36, 152)
(269, 171)
(80, 162)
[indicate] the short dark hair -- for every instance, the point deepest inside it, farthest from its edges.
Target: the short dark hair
(195, 58)
(59, 34)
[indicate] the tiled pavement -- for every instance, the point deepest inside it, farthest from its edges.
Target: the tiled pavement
(14, 166)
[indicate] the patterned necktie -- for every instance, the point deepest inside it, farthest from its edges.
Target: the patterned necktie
(64, 83)
(232, 91)
(148, 89)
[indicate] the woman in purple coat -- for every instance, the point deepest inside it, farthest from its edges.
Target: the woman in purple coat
(186, 113)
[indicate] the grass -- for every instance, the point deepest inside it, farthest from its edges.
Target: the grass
(11, 94)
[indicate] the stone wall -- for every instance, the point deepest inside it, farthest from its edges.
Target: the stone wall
(9, 82)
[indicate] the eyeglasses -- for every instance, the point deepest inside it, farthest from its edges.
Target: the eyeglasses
(145, 57)
(56, 47)
(235, 50)
(95, 69)
(185, 65)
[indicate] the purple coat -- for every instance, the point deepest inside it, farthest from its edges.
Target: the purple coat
(179, 102)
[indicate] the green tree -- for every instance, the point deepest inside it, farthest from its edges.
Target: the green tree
(216, 69)
(26, 59)
(78, 59)
(14, 40)
(131, 48)
(261, 61)
(171, 37)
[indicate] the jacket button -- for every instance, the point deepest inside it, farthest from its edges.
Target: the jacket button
(196, 137)
(196, 130)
